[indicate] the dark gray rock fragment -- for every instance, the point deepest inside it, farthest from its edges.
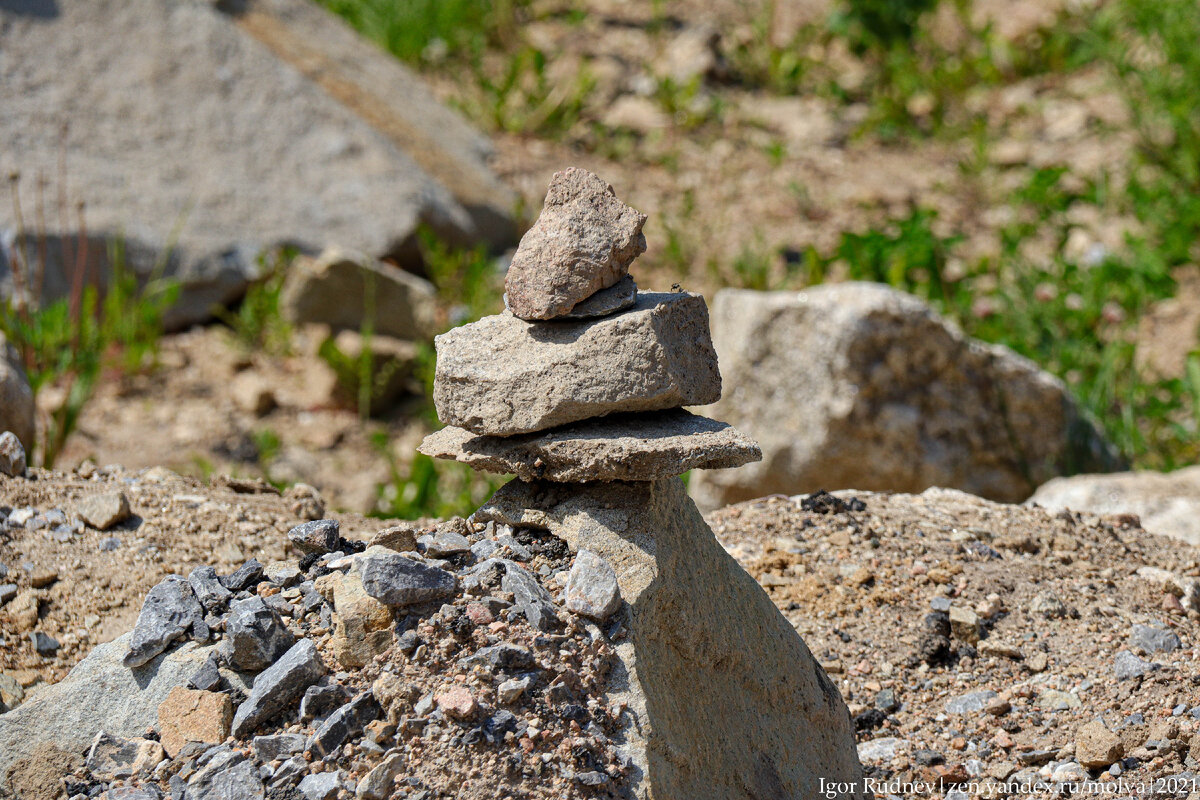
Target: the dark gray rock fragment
(529, 596)
(168, 613)
(398, 581)
(247, 575)
(208, 677)
(231, 779)
(1126, 665)
(278, 686)
(289, 773)
(280, 745)
(502, 657)
(319, 701)
(208, 588)
(1153, 640)
(321, 786)
(318, 536)
(254, 635)
(44, 644)
(346, 722)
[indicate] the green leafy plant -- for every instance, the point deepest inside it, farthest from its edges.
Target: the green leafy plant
(365, 377)
(257, 322)
(69, 342)
(428, 488)
(430, 31)
(759, 61)
(520, 97)
(688, 103)
(468, 279)
(881, 24)
(907, 255)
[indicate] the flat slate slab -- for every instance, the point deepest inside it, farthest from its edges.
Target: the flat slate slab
(503, 376)
(618, 297)
(623, 447)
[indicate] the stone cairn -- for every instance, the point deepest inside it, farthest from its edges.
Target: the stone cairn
(578, 389)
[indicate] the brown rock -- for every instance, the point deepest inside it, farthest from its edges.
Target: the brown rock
(42, 578)
(188, 715)
(583, 241)
(23, 610)
(964, 624)
(992, 647)
(1096, 746)
(362, 626)
(401, 538)
(102, 511)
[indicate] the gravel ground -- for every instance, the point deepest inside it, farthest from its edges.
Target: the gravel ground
(974, 642)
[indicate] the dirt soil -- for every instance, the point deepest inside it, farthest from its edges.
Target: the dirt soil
(1056, 597)
(199, 414)
(773, 173)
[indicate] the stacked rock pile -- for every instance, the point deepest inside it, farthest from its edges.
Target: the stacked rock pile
(578, 389)
(583, 378)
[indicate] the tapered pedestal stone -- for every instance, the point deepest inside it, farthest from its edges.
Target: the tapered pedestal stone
(621, 447)
(502, 376)
(725, 700)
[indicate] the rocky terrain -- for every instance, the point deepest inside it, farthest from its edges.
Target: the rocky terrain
(548, 646)
(919, 606)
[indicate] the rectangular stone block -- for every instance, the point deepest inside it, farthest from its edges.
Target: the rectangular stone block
(502, 376)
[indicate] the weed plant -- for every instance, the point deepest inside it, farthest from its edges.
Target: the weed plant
(68, 343)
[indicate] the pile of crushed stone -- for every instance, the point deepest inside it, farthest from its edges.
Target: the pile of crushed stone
(480, 685)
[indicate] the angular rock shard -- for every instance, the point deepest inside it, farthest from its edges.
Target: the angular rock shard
(726, 700)
(169, 611)
(279, 686)
(592, 588)
(621, 447)
(583, 241)
(255, 635)
(395, 580)
(502, 376)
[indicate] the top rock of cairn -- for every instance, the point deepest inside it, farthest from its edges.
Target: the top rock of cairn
(583, 241)
(530, 391)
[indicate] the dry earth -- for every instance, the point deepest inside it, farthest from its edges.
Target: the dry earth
(196, 414)
(769, 171)
(1055, 597)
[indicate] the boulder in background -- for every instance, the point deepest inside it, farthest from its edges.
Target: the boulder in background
(202, 134)
(857, 385)
(1167, 503)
